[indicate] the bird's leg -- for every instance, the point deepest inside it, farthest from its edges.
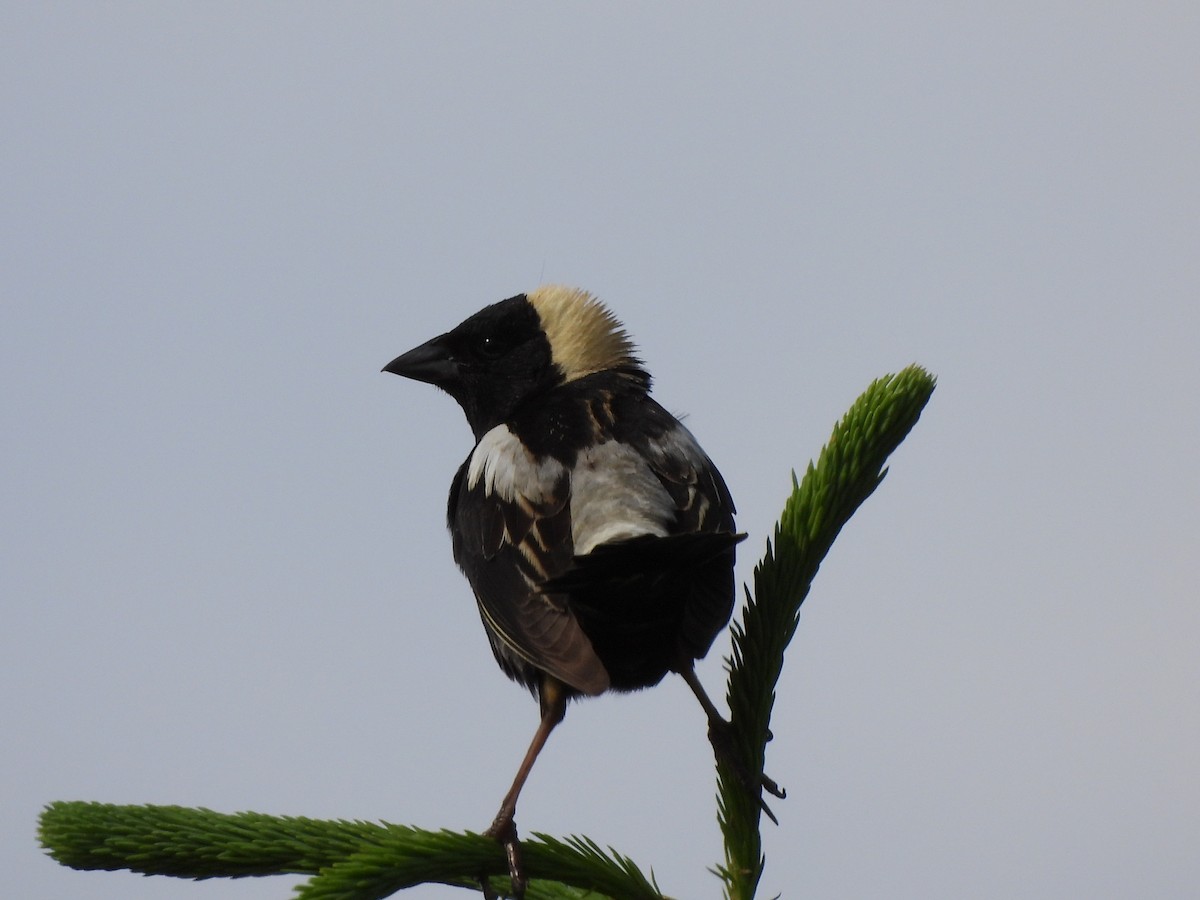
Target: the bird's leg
(720, 735)
(553, 699)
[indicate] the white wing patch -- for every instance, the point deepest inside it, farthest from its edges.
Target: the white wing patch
(509, 470)
(615, 495)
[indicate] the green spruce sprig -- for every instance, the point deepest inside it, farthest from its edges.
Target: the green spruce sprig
(352, 860)
(848, 470)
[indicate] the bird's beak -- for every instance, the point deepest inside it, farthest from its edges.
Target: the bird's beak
(432, 363)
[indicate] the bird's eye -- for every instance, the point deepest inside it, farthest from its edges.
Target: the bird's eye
(488, 346)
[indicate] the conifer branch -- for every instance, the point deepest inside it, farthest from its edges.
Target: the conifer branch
(349, 860)
(848, 470)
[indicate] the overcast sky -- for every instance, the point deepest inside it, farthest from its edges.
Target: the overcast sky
(225, 575)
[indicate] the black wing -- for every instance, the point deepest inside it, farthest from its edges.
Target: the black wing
(510, 519)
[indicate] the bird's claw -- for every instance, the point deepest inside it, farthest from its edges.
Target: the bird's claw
(772, 787)
(503, 830)
(720, 735)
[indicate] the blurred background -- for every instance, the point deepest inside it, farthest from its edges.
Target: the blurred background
(226, 580)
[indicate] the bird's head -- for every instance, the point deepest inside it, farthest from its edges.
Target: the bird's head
(519, 348)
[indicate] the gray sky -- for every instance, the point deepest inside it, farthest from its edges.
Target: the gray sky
(225, 574)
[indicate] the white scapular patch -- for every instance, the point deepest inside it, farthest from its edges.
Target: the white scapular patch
(509, 470)
(615, 495)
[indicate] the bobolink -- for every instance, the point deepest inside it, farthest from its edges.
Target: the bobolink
(596, 534)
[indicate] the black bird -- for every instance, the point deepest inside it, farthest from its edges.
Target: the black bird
(596, 534)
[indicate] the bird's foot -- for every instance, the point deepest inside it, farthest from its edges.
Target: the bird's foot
(504, 831)
(720, 735)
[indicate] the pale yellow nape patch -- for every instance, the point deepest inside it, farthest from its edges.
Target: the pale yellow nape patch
(584, 336)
